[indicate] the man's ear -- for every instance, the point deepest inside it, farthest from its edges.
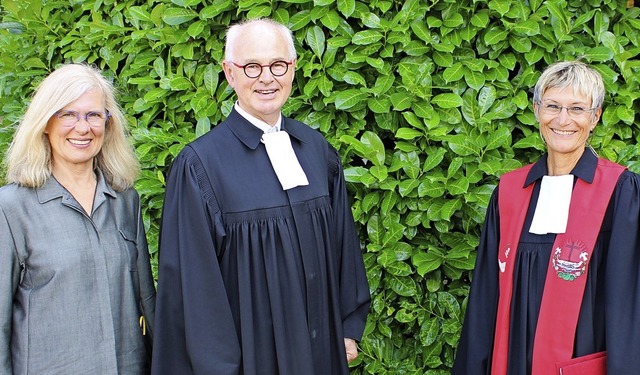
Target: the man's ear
(228, 73)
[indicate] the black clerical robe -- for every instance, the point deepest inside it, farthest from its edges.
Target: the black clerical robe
(254, 279)
(608, 317)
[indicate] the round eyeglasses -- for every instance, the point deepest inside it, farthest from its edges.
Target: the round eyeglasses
(254, 70)
(573, 111)
(70, 118)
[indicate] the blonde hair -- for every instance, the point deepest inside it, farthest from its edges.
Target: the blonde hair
(29, 156)
(582, 78)
(233, 34)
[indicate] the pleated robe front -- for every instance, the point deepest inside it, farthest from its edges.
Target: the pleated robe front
(254, 279)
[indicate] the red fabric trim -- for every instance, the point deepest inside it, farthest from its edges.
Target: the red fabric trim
(513, 201)
(592, 364)
(562, 299)
(555, 332)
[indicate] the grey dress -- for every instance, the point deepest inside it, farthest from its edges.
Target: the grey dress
(73, 286)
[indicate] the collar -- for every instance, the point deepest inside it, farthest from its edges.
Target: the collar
(585, 169)
(52, 189)
(250, 135)
(266, 128)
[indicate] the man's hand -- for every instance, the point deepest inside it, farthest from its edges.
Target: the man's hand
(352, 349)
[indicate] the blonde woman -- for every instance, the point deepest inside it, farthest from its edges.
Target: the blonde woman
(75, 277)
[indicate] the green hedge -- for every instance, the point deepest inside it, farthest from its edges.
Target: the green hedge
(428, 102)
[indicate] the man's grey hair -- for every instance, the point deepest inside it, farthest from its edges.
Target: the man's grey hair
(235, 30)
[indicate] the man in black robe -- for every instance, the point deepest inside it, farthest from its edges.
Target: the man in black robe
(260, 268)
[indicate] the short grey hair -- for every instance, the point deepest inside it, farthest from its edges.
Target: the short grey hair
(582, 78)
(235, 30)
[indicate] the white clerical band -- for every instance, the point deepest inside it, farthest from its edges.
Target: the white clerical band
(552, 210)
(284, 160)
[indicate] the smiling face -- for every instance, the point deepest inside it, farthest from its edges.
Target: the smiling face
(264, 96)
(566, 135)
(74, 147)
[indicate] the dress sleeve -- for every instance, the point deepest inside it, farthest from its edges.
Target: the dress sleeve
(9, 278)
(622, 280)
(147, 287)
(354, 288)
(193, 330)
(475, 347)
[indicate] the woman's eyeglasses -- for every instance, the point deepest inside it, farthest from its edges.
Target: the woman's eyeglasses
(573, 111)
(70, 118)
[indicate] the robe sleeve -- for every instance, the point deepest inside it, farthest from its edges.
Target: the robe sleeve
(622, 280)
(354, 288)
(475, 348)
(147, 287)
(9, 278)
(194, 330)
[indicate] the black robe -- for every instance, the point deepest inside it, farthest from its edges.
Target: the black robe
(254, 279)
(610, 313)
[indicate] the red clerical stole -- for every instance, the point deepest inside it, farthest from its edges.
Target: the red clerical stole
(568, 266)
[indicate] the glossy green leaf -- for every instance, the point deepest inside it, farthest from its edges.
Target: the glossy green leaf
(427, 261)
(316, 40)
(346, 7)
(429, 331)
(177, 16)
(527, 27)
(349, 98)
(448, 100)
(404, 286)
(374, 147)
(495, 35)
(454, 73)
(475, 80)
(366, 37)
(408, 133)
(500, 6)
(379, 105)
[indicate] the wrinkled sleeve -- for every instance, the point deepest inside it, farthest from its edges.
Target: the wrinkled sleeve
(9, 278)
(354, 288)
(622, 283)
(147, 287)
(473, 356)
(193, 330)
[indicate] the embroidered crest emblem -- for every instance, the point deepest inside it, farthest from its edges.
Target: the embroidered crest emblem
(573, 262)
